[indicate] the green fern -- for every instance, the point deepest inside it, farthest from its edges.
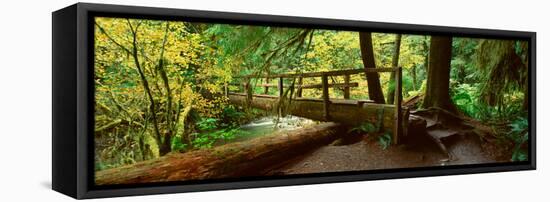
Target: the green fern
(385, 140)
(365, 128)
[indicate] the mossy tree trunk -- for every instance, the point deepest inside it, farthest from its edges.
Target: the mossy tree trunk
(439, 70)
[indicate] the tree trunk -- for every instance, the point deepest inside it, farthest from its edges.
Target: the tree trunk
(426, 54)
(394, 63)
(373, 79)
(251, 158)
(439, 69)
(145, 84)
(413, 75)
(461, 74)
(167, 141)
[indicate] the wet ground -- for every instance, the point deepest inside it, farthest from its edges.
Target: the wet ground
(367, 154)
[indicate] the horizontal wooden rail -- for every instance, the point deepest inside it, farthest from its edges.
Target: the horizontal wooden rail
(308, 86)
(319, 74)
(332, 85)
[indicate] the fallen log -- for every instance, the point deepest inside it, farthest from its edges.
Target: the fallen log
(412, 101)
(249, 158)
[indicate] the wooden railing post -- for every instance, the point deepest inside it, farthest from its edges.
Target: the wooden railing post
(300, 83)
(266, 89)
(346, 88)
(326, 98)
(398, 128)
(280, 86)
(225, 89)
(245, 85)
(248, 91)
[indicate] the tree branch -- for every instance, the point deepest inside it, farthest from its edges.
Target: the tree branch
(111, 38)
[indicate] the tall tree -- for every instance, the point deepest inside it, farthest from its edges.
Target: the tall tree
(373, 79)
(394, 63)
(439, 71)
(426, 49)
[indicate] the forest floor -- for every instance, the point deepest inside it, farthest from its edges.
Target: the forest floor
(313, 149)
(367, 154)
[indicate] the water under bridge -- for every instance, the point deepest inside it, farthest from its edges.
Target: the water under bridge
(289, 99)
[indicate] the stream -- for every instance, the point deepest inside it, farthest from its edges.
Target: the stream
(268, 124)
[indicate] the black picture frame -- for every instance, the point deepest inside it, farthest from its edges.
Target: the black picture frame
(73, 93)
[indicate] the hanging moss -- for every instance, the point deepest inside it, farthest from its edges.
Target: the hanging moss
(503, 68)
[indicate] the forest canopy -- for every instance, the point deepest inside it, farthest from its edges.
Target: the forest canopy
(159, 85)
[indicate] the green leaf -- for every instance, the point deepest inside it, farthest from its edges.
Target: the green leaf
(385, 140)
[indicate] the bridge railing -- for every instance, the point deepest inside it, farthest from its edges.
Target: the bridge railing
(324, 85)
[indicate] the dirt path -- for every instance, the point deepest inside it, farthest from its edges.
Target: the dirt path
(367, 154)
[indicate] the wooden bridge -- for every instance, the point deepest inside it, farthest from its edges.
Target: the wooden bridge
(346, 111)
